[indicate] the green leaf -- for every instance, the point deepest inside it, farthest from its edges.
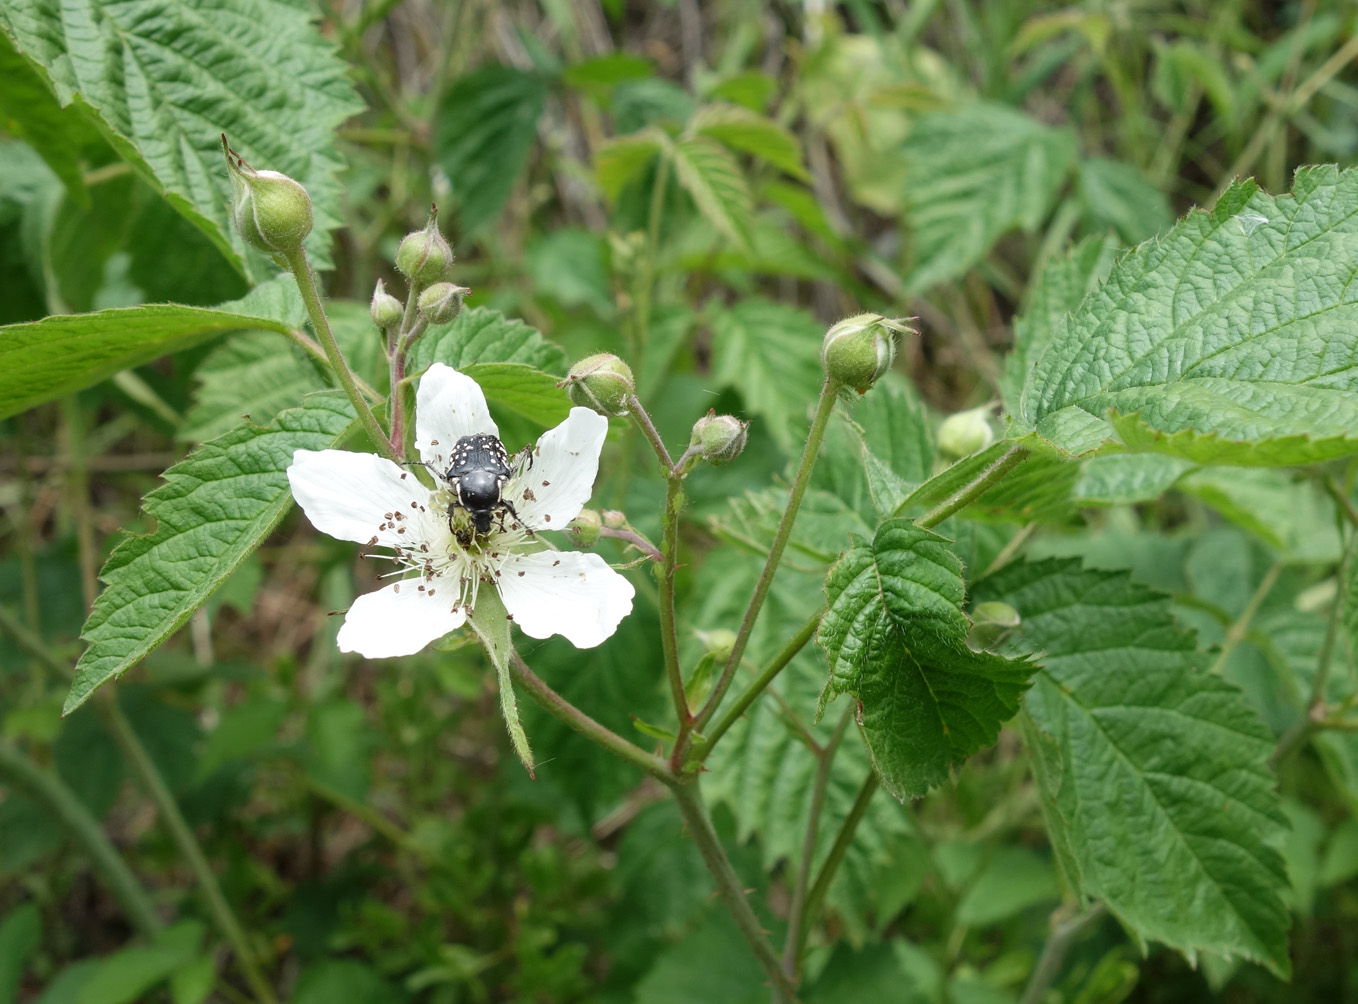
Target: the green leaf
(215, 507)
(895, 636)
(710, 174)
(976, 173)
(1228, 340)
(1059, 288)
(770, 353)
(746, 131)
(126, 976)
(58, 355)
(486, 125)
(1127, 478)
(1116, 194)
(617, 161)
(1038, 489)
(481, 335)
(33, 113)
(20, 935)
(491, 624)
(1161, 796)
(162, 80)
(1292, 515)
(523, 390)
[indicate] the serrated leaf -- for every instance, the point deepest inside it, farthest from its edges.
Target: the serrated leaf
(825, 523)
(617, 161)
(1292, 515)
(215, 507)
(976, 173)
(1039, 488)
(752, 133)
(481, 335)
(57, 355)
(711, 175)
(1228, 340)
(895, 637)
(770, 353)
(486, 125)
(1157, 758)
(1126, 478)
(1114, 193)
(522, 389)
(162, 80)
(1058, 289)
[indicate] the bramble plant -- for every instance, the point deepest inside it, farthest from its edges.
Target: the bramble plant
(857, 662)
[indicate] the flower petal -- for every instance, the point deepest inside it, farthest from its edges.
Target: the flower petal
(357, 496)
(448, 406)
(399, 619)
(561, 480)
(567, 593)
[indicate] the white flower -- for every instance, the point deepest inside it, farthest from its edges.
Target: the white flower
(370, 500)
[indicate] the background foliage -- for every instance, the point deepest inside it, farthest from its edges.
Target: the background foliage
(701, 189)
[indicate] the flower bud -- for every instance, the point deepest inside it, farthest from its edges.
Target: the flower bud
(600, 382)
(721, 437)
(441, 302)
(614, 520)
(718, 642)
(385, 309)
(424, 257)
(270, 210)
(584, 529)
(858, 350)
(965, 433)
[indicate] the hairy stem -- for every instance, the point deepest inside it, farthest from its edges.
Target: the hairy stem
(976, 487)
(699, 823)
(643, 420)
(47, 789)
(796, 929)
(824, 408)
(767, 676)
(168, 809)
(669, 634)
(566, 712)
(306, 285)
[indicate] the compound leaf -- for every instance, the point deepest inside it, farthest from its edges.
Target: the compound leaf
(215, 507)
(162, 80)
(1228, 340)
(1153, 771)
(711, 175)
(895, 637)
(746, 131)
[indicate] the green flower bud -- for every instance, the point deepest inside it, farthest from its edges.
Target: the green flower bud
(721, 437)
(601, 382)
(385, 309)
(584, 529)
(424, 257)
(441, 302)
(858, 350)
(718, 642)
(990, 622)
(270, 210)
(613, 519)
(965, 433)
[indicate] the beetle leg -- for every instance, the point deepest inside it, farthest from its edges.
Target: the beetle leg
(510, 506)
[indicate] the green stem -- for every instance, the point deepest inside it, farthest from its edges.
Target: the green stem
(669, 634)
(643, 420)
(567, 713)
(312, 348)
(841, 846)
(306, 285)
(47, 789)
(729, 886)
(767, 676)
(1238, 631)
(1063, 936)
(824, 408)
(796, 929)
(126, 739)
(976, 487)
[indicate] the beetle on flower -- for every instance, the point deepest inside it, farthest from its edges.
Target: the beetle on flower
(445, 557)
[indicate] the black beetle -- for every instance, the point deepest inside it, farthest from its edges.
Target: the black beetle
(477, 472)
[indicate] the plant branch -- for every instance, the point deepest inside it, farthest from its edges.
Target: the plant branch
(837, 851)
(306, 285)
(1063, 936)
(767, 676)
(796, 930)
(669, 633)
(567, 713)
(976, 487)
(824, 408)
(700, 827)
(644, 422)
(47, 789)
(313, 348)
(145, 769)
(1238, 631)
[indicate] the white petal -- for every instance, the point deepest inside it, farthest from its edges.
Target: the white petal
(399, 619)
(567, 593)
(358, 496)
(561, 480)
(448, 406)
